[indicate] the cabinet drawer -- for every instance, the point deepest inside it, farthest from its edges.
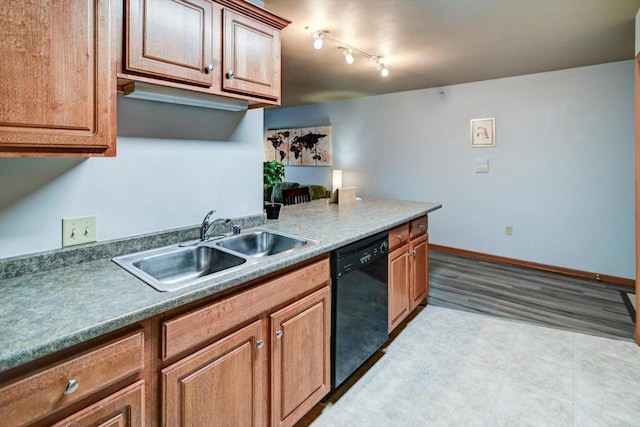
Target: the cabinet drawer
(398, 236)
(121, 409)
(418, 227)
(29, 399)
(199, 326)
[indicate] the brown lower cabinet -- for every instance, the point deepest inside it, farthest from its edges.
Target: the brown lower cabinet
(265, 359)
(300, 365)
(122, 409)
(224, 383)
(398, 286)
(57, 388)
(408, 269)
(220, 384)
(419, 270)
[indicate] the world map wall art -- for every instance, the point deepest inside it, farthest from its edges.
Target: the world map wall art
(310, 146)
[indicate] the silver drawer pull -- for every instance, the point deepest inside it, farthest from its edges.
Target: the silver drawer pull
(230, 74)
(400, 237)
(71, 387)
(421, 226)
(278, 334)
(208, 68)
(260, 343)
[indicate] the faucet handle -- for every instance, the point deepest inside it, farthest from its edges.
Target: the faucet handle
(237, 229)
(205, 221)
(205, 225)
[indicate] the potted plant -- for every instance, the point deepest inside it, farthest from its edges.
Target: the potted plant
(273, 173)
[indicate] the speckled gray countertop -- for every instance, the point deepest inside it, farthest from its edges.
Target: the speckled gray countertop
(45, 312)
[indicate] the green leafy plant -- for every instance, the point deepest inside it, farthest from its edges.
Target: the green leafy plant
(273, 173)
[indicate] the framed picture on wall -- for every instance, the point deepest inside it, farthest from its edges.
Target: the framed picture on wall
(310, 146)
(483, 132)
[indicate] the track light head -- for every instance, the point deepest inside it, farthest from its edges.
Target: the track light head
(348, 56)
(380, 67)
(317, 40)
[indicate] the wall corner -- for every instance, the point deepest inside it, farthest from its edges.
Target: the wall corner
(637, 32)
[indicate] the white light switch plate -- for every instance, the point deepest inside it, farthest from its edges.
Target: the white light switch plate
(79, 230)
(482, 165)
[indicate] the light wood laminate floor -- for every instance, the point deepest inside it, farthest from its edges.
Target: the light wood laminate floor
(518, 293)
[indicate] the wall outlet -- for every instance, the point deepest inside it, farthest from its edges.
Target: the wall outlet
(79, 230)
(508, 230)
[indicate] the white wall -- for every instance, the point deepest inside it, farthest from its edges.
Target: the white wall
(155, 182)
(562, 173)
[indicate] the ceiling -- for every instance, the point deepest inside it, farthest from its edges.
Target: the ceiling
(435, 43)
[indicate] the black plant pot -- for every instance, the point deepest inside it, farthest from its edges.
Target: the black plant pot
(273, 210)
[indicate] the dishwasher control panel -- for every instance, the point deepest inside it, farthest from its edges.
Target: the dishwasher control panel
(356, 256)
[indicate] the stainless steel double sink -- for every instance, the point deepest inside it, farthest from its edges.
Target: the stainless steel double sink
(174, 267)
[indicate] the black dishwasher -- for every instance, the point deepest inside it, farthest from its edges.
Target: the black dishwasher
(360, 304)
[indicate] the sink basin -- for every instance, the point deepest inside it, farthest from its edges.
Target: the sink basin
(261, 243)
(175, 267)
(172, 268)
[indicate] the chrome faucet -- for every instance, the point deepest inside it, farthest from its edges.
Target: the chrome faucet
(206, 225)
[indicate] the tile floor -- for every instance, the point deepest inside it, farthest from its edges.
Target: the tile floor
(451, 368)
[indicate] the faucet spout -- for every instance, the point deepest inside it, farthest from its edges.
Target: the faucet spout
(205, 229)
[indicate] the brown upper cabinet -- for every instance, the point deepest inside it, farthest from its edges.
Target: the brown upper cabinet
(57, 62)
(174, 40)
(222, 47)
(62, 62)
(251, 57)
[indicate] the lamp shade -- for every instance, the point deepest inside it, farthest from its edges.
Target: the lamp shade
(336, 181)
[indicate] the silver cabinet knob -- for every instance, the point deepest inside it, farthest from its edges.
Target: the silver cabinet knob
(400, 237)
(278, 334)
(230, 74)
(260, 343)
(71, 386)
(421, 226)
(208, 68)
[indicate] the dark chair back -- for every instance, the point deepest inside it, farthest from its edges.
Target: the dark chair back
(293, 196)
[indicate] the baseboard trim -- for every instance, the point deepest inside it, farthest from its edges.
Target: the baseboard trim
(537, 266)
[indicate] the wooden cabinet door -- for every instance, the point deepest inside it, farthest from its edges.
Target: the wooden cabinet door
(175, 40)
(300, 363)
(122, 409)
(398, 286)
(220, 385)
(58, 91)
(419, 289)
(251, 57)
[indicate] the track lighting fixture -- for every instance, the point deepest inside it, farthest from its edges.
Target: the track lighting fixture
(380, 67)
(348, 56)
(347, 50)
(317, 40)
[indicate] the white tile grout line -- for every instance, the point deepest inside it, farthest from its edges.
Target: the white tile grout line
(504, 375)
